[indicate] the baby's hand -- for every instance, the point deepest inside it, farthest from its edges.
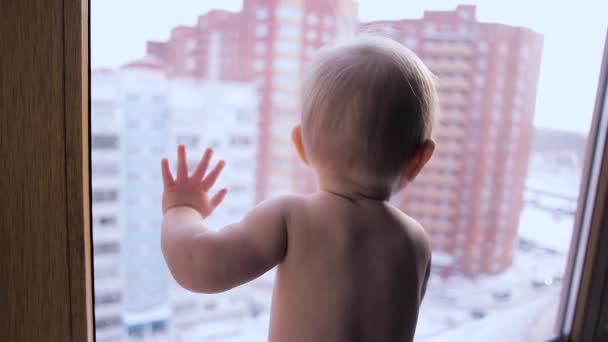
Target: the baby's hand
(191, 191)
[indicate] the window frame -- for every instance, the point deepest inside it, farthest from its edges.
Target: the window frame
(77, 75)
(583, 308)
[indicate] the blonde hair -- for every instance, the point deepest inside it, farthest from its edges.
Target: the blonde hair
(368, 103)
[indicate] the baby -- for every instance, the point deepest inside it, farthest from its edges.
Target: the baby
(351, 266)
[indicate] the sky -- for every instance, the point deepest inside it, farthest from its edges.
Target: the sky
(574, 34)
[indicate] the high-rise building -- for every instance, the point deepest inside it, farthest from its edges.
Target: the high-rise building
(267, 43)
(470, 196)
(106, 155)
(145, 110)
(138, 113)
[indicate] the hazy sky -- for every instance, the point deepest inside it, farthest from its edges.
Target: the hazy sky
(574, 33)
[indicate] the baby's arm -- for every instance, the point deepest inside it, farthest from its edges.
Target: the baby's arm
(207, 261)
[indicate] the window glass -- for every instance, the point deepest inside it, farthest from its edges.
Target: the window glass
(287, 46)
(289, 29)
(104, 141)
(289, 11)
(497, 199)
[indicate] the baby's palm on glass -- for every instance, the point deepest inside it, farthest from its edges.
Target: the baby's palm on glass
(192, 190)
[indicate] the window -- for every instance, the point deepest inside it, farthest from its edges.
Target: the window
(191, 141)
(108, 298)
(259, 64)
(289, 12)
(287, 46)
(493, 214)
(312, 19)
(311, 35)
(104, 221)
(260, 48)
(104, 169)
(104, 248)
(261, 31)
(289, 64)
(106, 272)
(105, 195)
(411, 42)
(104, 142)
(240, 141)
(482, 46)
(108, 322)
(261, 13)
(285, 80)
(328, 21)
(289, 30)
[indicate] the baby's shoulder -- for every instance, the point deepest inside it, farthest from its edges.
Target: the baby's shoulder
(287, 203)
(415, 232)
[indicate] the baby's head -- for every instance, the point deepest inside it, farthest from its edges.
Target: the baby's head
(368, 109)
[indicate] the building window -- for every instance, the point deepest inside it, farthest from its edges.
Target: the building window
(289, 29)
(261, 13)
(480, 80)
(483, 47)
(287, 46)
(190, 64)
(285, 80)
(259, 65)
(104, 142)
(289, 12)
(312, 19)
(286, 64)
(108, 298)
(103, 248)
(109, 195)
(311, 35)
(105, 272)
(516, 115)
(502, 50)
(430, 28)
(105, 221)
(190, 45)
(238, 141)
(261, 31)
(411, 42)
(260, 47)
(104, 169)
(191, 141)
(282, 97)
(328, 21)
(108, 322)
(238, 188)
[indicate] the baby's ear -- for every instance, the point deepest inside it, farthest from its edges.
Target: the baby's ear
(421, 157)
(298, 143)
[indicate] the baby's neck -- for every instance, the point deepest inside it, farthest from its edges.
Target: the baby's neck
(345, 187)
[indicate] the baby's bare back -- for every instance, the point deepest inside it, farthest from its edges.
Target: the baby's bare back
(355, 270)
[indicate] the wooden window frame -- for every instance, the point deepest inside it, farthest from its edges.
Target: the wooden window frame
(45, 249)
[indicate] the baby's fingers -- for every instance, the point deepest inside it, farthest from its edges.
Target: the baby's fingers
(208, 182)
(166, 172)
(201, 168)
(218, 198)
(182, 164)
